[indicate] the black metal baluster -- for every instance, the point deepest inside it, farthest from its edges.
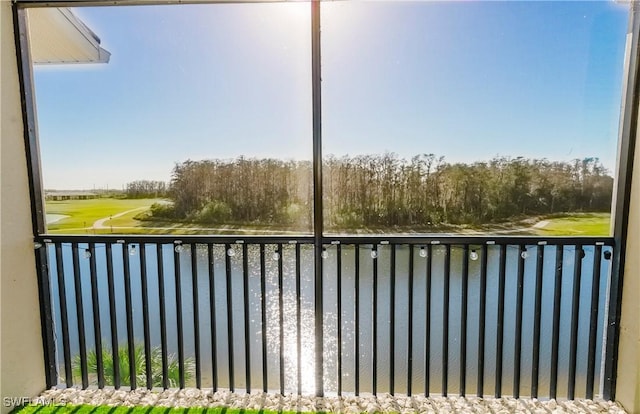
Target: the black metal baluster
(163, 316)
(80, 315)
(145, 315)
(518, 334)
(356, 345)
(46, 313)
(593, 322)
(482, 318)
(298, 321)
(500, 323)
(555, 336)
(97, 332)
(575, 310)
(339, 293)
(427, 339)
(392, 317)
(178, 283)
(62, 294)
(129, 309)
(212, 321)
(374, 331)
(229, 315)
(410, 324)
(113, 317)
(263, 304)
(463, 319)
(245, 293)
(537, 313)
(196, 313)
(281, 317)
(445, 320)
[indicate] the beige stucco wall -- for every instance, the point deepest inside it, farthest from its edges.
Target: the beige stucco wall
(628, 382)
(22, 366)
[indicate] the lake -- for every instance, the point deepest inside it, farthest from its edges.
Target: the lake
(330, 285)
(52, 218)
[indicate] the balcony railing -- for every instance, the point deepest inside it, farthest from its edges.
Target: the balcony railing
(520, 316)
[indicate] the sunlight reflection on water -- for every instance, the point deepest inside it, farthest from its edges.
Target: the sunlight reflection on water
(234, 320)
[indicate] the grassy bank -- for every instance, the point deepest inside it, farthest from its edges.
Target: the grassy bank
(84, 213)
(585, 224)
(110, 215)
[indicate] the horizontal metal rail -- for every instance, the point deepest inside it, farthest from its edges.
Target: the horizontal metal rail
(172, 239)
(425, 239)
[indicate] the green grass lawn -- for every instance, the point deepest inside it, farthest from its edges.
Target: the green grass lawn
(83, 213)
(89, 409)
(585, 224)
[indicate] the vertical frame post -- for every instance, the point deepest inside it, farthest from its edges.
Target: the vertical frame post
(626, 151)
(317, 190)
(32, 146)
(29, 119)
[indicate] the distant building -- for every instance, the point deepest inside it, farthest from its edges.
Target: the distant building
(69, 195)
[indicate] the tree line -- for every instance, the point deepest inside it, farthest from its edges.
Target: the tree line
(146, 189)
(383, 190)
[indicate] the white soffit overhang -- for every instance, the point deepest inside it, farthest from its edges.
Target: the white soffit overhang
(57, 36)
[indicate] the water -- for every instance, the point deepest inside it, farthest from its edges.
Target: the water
(330, 286)
(52, 218)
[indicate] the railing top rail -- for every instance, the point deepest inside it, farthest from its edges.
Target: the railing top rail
(422, 239)
(436, 239)
(176, 239)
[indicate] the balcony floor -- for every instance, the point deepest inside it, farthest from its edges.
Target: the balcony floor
(383, 403)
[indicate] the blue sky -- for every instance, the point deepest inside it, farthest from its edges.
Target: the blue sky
(465, 80)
